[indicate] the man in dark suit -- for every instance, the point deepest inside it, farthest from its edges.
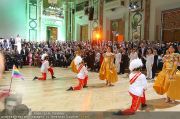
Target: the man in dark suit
(92, 59)
(55, 58)
(124, 61)
(61, 59)
(58, 58)
(142, 53)
(159, 49)
(24, 54)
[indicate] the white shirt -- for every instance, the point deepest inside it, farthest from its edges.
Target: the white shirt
(142, 51)
(18, 43)
(97, 58)
(82, 73)
(45, 66)
(18, 40)
(56, 56)
(149, 59)
(140, 84)
(118, 57)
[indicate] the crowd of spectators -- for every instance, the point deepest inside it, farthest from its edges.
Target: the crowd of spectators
(62, 53)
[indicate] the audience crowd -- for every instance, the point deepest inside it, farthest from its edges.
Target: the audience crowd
(62, 53)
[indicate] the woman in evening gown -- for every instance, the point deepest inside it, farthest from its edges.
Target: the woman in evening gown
(168, 80)
(108, 69)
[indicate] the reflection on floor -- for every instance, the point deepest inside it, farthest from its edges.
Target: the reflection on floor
(50, 95)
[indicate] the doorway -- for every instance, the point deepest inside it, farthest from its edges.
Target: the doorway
(84, 33)
(52, 33)
(117, 28)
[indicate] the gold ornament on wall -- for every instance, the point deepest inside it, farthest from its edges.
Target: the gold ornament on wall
(136, 35)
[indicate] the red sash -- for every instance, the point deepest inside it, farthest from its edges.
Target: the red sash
(79, 69)
(134, 78)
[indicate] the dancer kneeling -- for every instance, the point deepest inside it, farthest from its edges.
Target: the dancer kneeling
(82, 76)
(45, 68)
(138, 85)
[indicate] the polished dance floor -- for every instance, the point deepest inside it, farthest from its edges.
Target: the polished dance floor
(51, 95)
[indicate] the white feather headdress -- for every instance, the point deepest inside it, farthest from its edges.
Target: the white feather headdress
(77, 60)
(43, 56)
(134, 64)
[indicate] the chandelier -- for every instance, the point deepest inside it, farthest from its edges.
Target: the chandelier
(53, 10)
(135, 5)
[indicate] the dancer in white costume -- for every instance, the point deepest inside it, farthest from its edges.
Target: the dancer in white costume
(18, 43)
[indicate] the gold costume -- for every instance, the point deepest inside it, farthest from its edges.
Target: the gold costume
(72, 65)
(174, 88)
(168, 80)
(108, 71)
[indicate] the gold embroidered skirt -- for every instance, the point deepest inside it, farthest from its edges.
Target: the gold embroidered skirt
(164, 85)
(73, 67)
(107, 73)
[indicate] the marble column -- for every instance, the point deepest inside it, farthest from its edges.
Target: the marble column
(147, 19)
(101, 9)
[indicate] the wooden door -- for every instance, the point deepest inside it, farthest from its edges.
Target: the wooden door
(84, 33)
(117, 29)
(52, 33)
(171, 25)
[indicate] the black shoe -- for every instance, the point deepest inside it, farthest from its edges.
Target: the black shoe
(85, 86)
(143, 106)
(118, 113)
(148, 79)
(53, 77)
(35, 78)
(70, 89)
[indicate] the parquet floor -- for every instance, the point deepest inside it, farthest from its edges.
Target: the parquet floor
(51, 95)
